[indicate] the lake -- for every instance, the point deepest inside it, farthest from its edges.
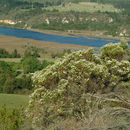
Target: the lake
(22, 33)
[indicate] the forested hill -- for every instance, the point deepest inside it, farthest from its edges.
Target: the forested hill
(108, 16)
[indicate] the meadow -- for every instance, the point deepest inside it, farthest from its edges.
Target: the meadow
(13, 100)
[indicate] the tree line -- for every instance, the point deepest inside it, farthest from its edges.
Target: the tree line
(5, 54)
(16, 77)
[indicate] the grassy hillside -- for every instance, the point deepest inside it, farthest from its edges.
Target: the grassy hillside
(13, 100)
(85, 7)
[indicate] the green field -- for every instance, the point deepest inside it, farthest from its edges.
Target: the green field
(85, 7)
(13, 100)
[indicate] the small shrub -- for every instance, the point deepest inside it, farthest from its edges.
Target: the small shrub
(11, 119)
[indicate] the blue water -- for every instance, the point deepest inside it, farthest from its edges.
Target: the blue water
(22, 33)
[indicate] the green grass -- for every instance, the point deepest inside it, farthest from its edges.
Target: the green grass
(13, 101)
(86, 7)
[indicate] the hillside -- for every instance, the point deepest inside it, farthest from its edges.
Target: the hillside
(111, 18)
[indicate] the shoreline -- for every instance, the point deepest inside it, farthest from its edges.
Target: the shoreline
(10, 43)
(75, 33)
(80, 33)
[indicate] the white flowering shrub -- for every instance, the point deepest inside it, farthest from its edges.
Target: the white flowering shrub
(60, 89)
(115, 51)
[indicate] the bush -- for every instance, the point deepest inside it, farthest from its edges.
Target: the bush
(9, 85)
(6, 54)
(61, 89)
(24, 82)
(114, 51)
(7, 77)
(30, 64)
(11, 119)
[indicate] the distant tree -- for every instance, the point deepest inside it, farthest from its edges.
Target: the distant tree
(9, 85)
(24, 82)
(15, 54)
(4, 53)
(7, 78)
(4, 67)
(27, 53)
(35, 53)
(30, 64)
